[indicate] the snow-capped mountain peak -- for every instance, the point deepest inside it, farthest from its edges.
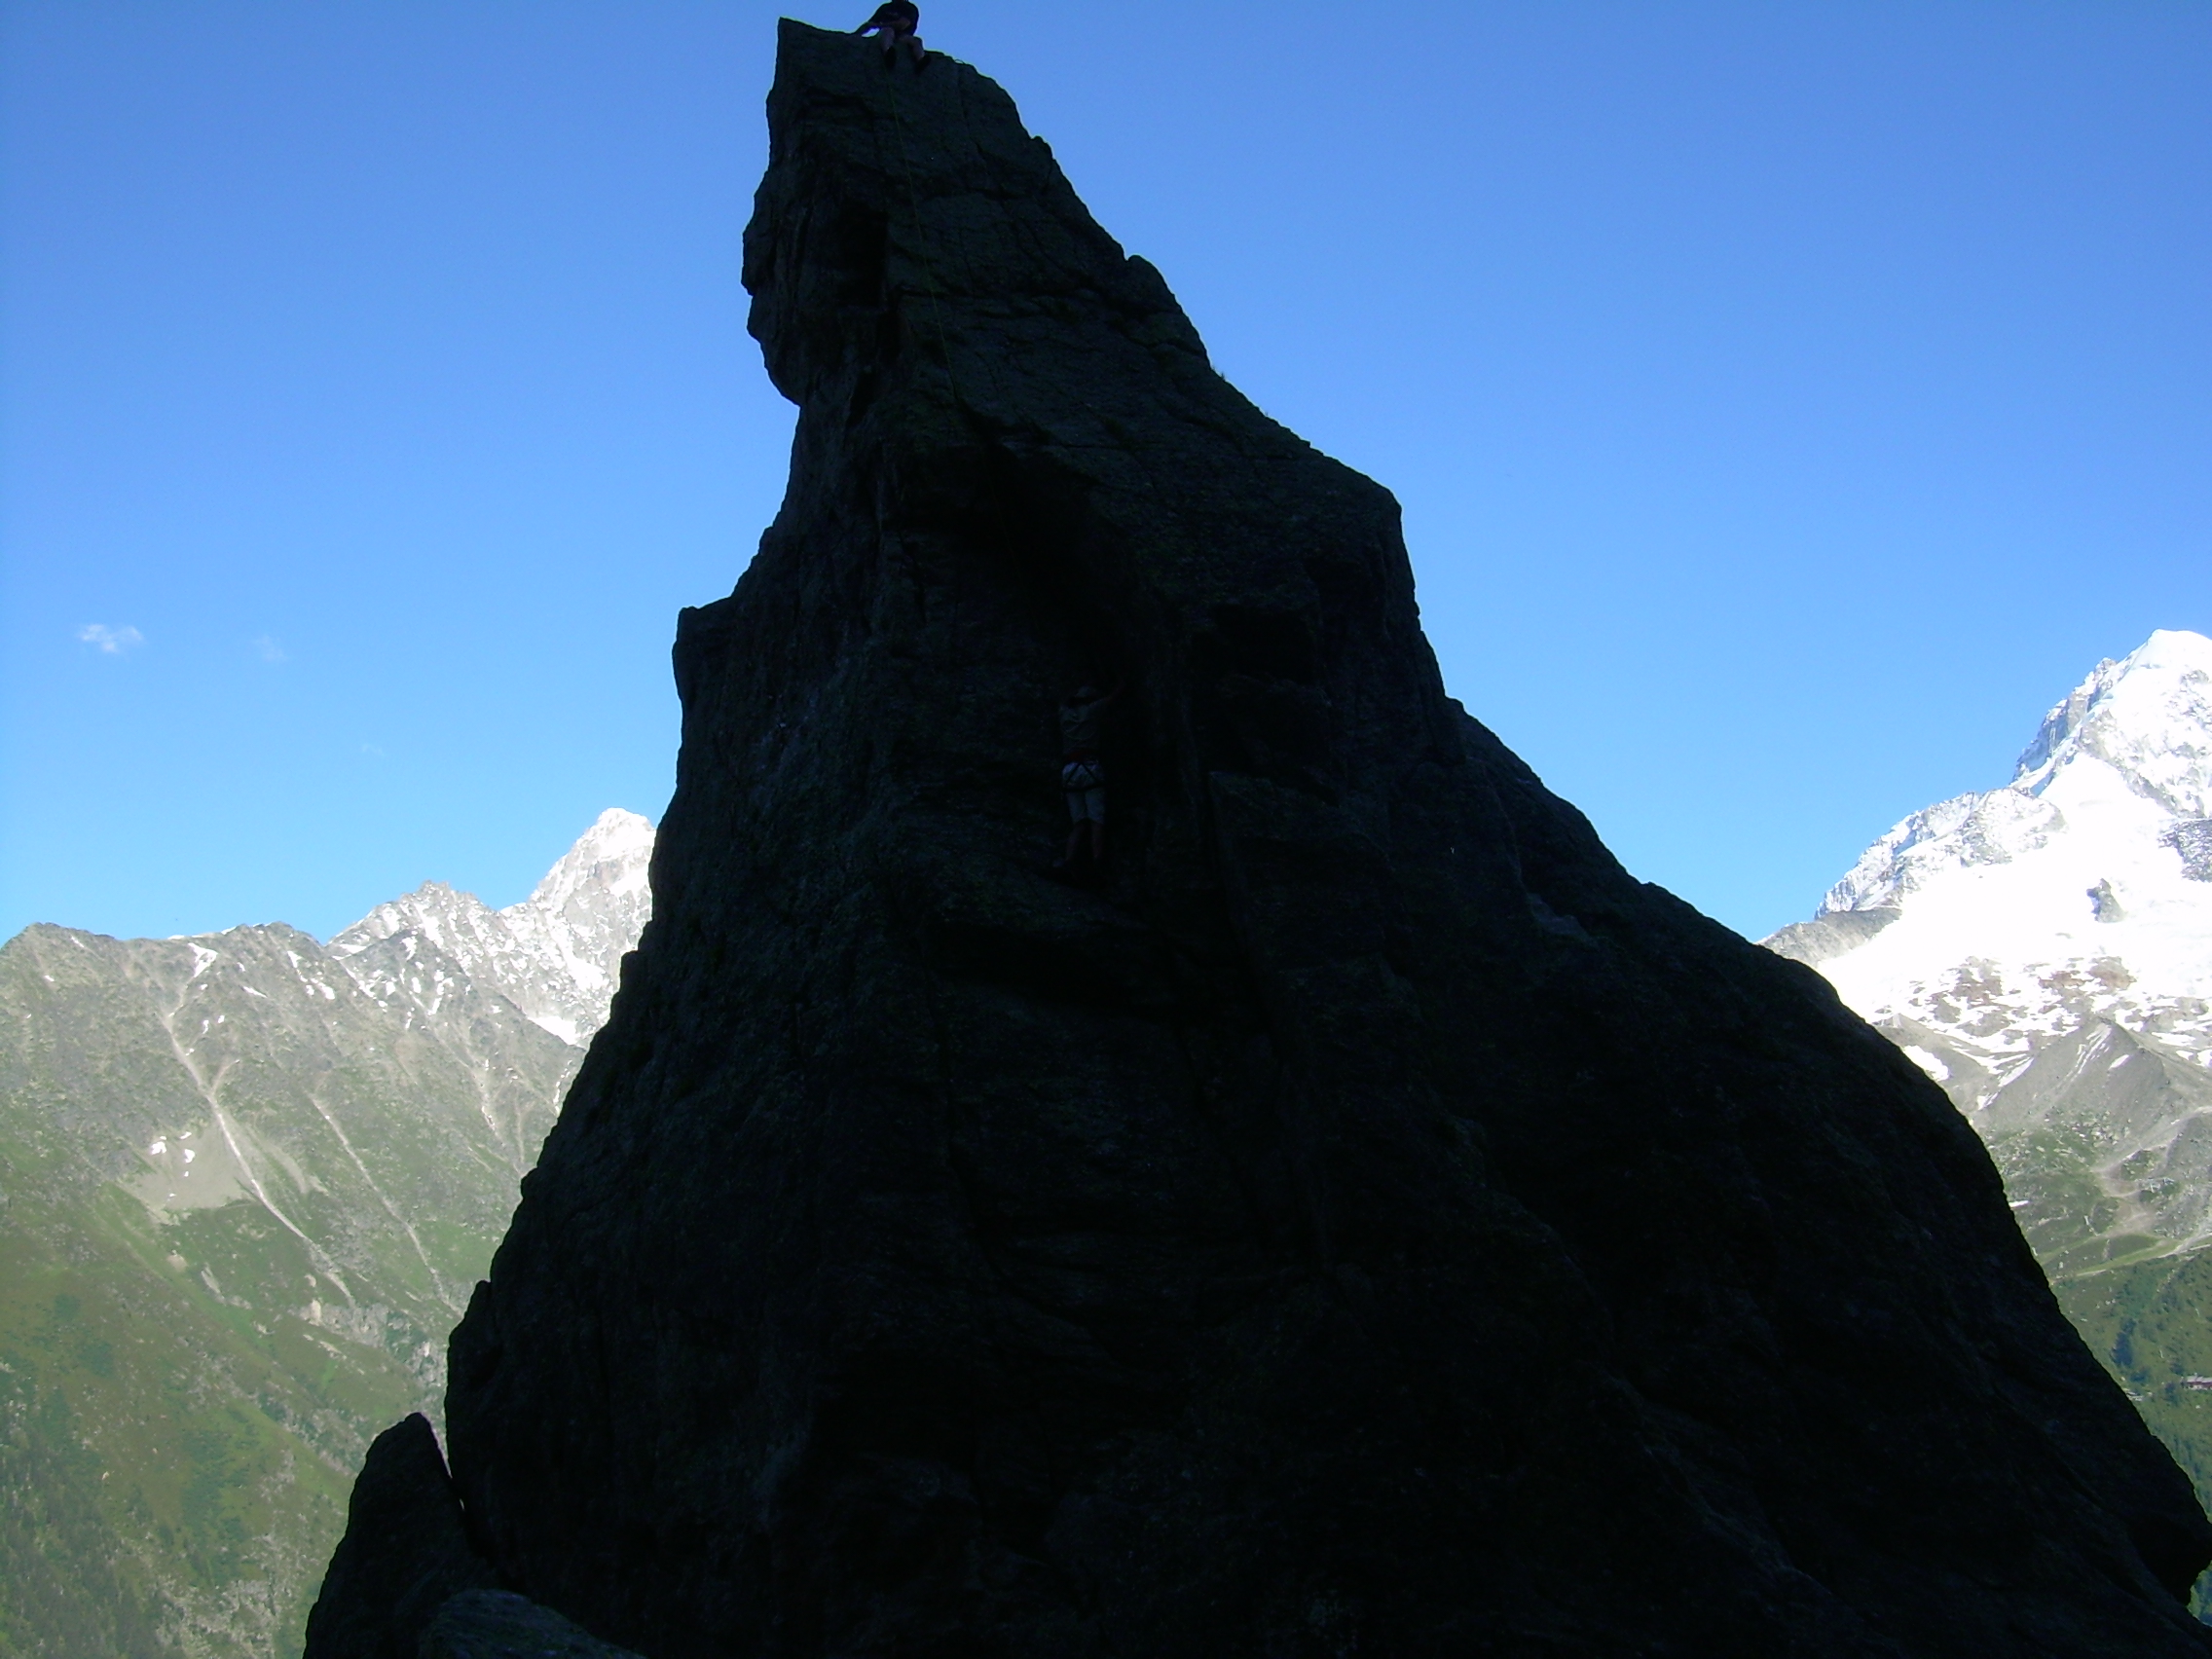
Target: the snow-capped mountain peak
(557, 954)
(1995, 936)
(2148, 717)
(610, 857)
(2121, 770)
(589, 910)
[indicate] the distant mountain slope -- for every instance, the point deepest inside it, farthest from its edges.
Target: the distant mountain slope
(246, 1184)
(2044, 951)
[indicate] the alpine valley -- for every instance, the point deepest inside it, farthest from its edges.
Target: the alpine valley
(2044, 952)
(246, 1184)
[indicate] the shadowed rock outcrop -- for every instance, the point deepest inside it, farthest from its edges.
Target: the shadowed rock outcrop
(405, 1553)
(1373, 1223)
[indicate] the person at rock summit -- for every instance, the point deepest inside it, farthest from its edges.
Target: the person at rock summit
(895, 23)
(1083, 772)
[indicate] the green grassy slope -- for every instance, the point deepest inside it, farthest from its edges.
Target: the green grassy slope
(2111, 1223)
(2150, 1323)
(242, 1201)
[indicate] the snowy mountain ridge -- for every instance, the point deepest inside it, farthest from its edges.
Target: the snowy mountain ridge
(557, 954)
(2130, 748)
(2044, 951)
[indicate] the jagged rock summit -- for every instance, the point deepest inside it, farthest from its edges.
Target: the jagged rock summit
(1371, 1222)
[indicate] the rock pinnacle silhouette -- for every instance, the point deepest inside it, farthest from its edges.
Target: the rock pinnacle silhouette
(1368, 1222)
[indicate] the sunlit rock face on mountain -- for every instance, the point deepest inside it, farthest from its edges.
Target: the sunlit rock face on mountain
(2044, 951)
(1367, 1222)
(246, 1182)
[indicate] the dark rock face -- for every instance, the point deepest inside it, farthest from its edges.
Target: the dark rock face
(498, 1624)
(405, 1553)
(1371, 1223)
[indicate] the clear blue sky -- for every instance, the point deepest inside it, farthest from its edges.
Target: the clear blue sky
(1789, 400)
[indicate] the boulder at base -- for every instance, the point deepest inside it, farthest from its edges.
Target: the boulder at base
(405, 1553)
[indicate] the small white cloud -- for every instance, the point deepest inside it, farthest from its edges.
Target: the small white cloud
(372, 749)
(270, 650)
(110, 642)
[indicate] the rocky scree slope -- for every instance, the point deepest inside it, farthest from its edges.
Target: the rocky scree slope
(245, 1185)
(2044, 952)
(1371, 1223)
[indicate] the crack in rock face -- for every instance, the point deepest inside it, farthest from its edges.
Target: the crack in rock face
(1360, 1219)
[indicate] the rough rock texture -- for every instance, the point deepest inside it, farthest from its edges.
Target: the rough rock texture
(404, 1553)
(498, 1624)
(1372, 1224)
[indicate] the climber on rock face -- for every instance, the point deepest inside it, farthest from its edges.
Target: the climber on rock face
(895, 23)
(1083, 773)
